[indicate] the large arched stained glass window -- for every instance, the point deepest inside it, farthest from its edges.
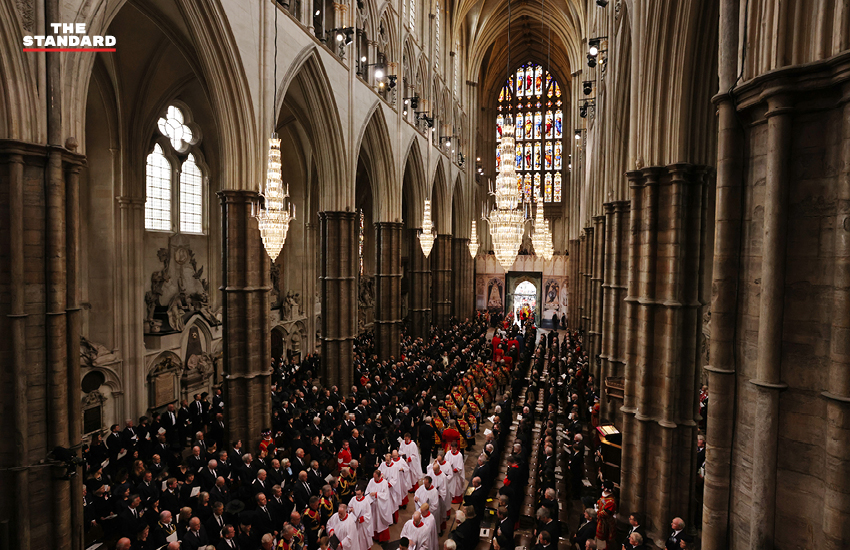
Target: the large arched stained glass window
(532, 99)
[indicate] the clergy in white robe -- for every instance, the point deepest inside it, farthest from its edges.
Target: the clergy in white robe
(405, 482)
(342, 524)
(427, 494)
(458, 480)
(440, 481)
(361, 508)
(409, 450)
(431, 521)
(417, 532)
(393, 475)
(446, 468)
(382, 507)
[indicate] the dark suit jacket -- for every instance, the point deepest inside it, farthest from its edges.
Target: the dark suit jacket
(301, 495)
(585, 533)
(672, 541)
(466, 534)
(476, 499)
(194, 541)
(170, 501)
(263, 522)
(205, 479)
(220, 495)
(222, 544)
(212, 528)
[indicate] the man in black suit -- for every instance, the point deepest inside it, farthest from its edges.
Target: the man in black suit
(168, 421)
(466, 529)
(281, 506)
(678, 527)
(184, 422)
(576, 473)
(477, 498)
(170, 499)
(113, 443)
(263, 520)
(261, 484)
(544, 542)
(228, 539)
(545, 523)
(207, 476)
(426, 442)
(217, 430)
(195, 461)
(129, 437)
(587, 530)
(298, 463)
(195, 537)
(315, 478)
(635, 526)
(215, 523)
(130, 518)
(302, 491)
(196, 413)
(276, 475)
(162, 530)
(220, 491)
(504, 529)
(147, 488)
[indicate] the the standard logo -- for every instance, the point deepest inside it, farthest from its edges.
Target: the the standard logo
(69, 37)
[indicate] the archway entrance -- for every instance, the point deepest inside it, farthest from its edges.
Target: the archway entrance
(524, 293)
(525, 301)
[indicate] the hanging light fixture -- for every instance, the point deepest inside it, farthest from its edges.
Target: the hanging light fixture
(274, 215)
(427, 235)
(473, 242)
(507, 219)
(542, 236)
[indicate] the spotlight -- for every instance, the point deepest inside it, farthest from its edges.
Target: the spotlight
(448, 143)
(318, 12)
(391, 81)
(582, 111)
(477, 159)
(405, 101)
(363, 59)
(578, 134)
(404, 113)
(414, 102)
(570, 166)
(591, 61)
(587, 87)
(602, 3)
(339, 37)
(594, 50)
(379, 73)
(380, 84)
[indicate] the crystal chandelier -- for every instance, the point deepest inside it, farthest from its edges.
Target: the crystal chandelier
(427, 234)
(473, 242)
(275, 216)
(507, 220)
(542, 236)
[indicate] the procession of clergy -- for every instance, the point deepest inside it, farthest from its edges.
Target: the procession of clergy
(375, 507)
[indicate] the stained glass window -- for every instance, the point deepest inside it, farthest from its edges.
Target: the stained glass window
(533, 98)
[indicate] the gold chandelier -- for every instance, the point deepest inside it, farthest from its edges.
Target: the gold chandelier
(274, 217)
(427, 235)
(473, 242)
(507, 219)
(542, 236)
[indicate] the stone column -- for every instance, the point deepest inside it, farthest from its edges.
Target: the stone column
(246, 333)
(665, 284)
(419, 293)
(613, 326)
(580, 283)
(596, 277)
(836, 528)
(441, 266)
(72, 318)
(573, 308)
(463, 285)
(388, 290)
(338, 281)
(771, 310)
(587, 292)
(17, 319)
(722, 386)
